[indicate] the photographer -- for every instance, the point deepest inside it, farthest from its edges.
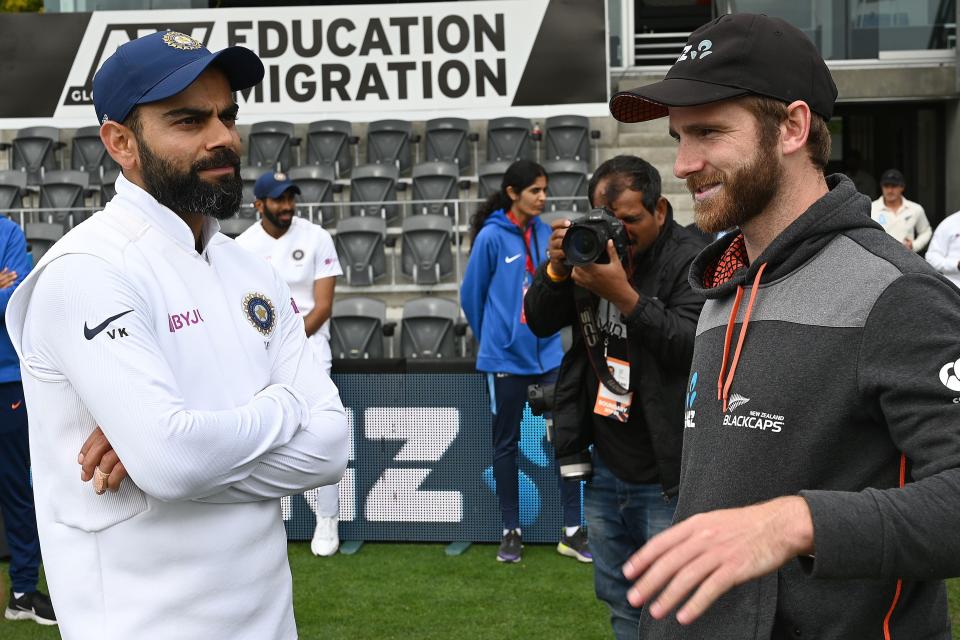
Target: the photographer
(646, 315)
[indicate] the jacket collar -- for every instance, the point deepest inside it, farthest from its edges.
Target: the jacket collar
(132, 197)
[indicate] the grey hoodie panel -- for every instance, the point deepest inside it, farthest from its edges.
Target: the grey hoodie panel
(843, 268)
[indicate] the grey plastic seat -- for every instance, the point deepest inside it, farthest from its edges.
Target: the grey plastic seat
(490, 177)
(358, 327)
(317, 185)
(359, 242)
(249, 177)
(567, 138)
(235, 226)
(388, 142)
(13, 186)
(41, 236)
(435, 181)
(108, 187)
(33, 150)
(426, 257)
(375, 185)
(568, 184)
(428, 328)
(270, 143)
(508, 139)
(329, 142)
(87, 153)
(550, 217)
(64, 190)
(448, 140)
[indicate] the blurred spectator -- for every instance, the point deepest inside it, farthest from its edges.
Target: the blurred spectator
(903, 219)
(509, 243)
(944, 251)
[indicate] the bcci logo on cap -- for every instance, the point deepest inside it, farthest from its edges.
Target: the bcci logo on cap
(181, 41)
(280, 177)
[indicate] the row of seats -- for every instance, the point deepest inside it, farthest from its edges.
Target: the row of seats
(35, 150)
(431, 327)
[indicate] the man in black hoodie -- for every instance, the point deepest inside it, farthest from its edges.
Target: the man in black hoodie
(647, 320)
(820, 482)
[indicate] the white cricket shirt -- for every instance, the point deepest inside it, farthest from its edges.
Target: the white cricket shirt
(910, 221)
(944, 250)
(302, 255)
(198, 371)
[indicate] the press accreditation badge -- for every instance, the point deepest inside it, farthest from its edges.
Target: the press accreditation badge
(609, 404)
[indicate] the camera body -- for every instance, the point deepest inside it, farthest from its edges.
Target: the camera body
(576, 466)
(586, 240)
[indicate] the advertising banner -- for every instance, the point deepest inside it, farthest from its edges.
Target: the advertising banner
(481, 59)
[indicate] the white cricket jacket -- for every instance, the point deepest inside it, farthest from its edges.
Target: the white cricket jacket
(198, 371)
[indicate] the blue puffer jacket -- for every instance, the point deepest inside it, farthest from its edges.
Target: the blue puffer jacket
(492, 298)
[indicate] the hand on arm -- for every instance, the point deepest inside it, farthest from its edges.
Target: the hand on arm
(322, 304)
(710, 553)
(7, 278)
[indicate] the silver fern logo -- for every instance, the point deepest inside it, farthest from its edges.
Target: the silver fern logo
(736, 401)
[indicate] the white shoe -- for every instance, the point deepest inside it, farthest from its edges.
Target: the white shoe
(326, 539)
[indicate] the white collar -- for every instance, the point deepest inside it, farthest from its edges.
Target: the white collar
(163, 218)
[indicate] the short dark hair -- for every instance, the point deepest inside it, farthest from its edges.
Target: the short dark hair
(770, 114)
(133, 122)
(627, 172)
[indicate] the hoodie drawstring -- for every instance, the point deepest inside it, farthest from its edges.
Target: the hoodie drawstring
(723, 386)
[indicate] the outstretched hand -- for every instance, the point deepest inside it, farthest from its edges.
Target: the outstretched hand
(710, 553)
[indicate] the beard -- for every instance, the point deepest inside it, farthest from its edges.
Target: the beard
(745, 193)
(273, 215)
(186, 192)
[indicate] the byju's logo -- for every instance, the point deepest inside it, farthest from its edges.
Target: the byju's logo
(948, 375)
(702, 51)
(690, 414)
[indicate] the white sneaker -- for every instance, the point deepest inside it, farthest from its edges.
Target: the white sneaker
(326, 538)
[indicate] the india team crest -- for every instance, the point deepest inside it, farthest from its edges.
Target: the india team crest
(260, 312)
(180, 41)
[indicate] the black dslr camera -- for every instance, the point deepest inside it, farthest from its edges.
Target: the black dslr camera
(576, 466)
(586, 240)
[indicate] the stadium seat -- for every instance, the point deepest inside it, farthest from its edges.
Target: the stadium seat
(13, 186)
(329, 142)
(108, 187)
(33, 150)
(64, 190)
(435, 181)
(359, 242)
(490, 177)
(375, 185)
(448, 140)
(88, 154)
(317, 185)
(429, 328)
(358, 327)
(235, 226)
(551, 216)
(567, 185)
(41, 236)
(388, 142)
(269, 145)
(508, 140)
(249, 177)
(568, 138)
(426, 257)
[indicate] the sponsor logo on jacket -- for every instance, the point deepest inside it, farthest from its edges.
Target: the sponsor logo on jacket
(178, 321)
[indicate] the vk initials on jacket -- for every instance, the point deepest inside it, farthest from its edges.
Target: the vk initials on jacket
(847, 386)
(198, 370)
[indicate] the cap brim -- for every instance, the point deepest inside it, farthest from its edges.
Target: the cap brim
(652, 101)
(279, 190)
(241, 65)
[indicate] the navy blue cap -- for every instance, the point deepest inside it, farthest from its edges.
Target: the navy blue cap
(273, 185)
(161, 65)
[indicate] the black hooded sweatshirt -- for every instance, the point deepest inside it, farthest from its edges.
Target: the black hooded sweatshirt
(828, 368)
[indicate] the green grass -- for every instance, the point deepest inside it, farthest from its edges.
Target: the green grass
(416, 591)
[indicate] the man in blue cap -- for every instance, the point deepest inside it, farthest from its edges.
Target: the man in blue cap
(171, 366)
(304, 255)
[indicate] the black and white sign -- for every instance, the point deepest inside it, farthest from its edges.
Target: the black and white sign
(361, 62)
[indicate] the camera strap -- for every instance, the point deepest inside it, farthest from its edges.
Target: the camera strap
(593, 341)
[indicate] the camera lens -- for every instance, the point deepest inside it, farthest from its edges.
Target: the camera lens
(582, 245)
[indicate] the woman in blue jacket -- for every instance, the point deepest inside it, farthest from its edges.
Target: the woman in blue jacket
(509, 243)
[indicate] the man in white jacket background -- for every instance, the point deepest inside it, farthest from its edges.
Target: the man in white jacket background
(903, 219)
(943, 254)
(176, 364)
